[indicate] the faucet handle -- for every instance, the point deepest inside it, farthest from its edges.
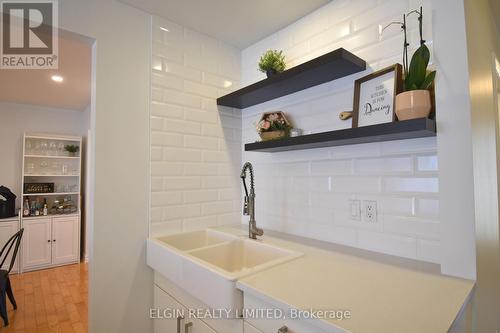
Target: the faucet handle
(245, 206)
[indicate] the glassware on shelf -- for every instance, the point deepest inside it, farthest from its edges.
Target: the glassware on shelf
(65, 169)
(73, 188)
(28, 148)
(53, 148)
(44, 167)
(55, 167)
(44, 147)
(60, 149)
(37, 148)
(30, 168)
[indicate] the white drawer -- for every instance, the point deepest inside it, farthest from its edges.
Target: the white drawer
(271, 325)
(247, 328)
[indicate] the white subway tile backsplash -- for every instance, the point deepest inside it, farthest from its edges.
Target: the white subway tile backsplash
(355, 184)
(168, 52)
(341, 167)
(197, 223)
(427, 163)
(199, 196)
(192, 141)
(182, 183)
(166, 139)
(166, 80)
(379, 13)
(401, 246)
(182, 71)
(382, 166)
(166, 110)
(402, 184)
(428, 208)
(175, 212)
(201, 116)
(181, 126)
(162, 199)
(165, 228)
(304, 192)
(307, 192)
(166, 169)
(429, 250)
(181, 155)
(400, 206)
(200, 169)
(410, 226)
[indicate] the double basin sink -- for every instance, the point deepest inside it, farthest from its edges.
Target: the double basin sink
(208, 263)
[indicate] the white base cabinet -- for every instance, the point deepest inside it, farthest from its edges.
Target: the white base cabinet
(50, 241)
(247, 328)
(8, 227)
(174, 317)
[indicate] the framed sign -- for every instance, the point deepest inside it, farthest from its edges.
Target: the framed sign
(375, 96)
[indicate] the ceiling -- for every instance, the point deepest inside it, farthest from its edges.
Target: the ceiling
(237, 22)
(36, 87)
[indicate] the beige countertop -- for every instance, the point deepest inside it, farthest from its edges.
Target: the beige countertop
(382, 293)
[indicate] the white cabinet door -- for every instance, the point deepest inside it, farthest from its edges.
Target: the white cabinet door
(247, 328)
(65, 240)
(196, 326)
(7, 230)
(168, 319)
(37, 242)
(172, 317)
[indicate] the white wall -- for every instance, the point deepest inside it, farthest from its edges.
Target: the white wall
(15, 119)
(195, 146)
(307, 192)
(483, 44)
(120, 292)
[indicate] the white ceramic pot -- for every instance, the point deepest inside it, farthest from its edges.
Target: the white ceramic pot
(413, 104)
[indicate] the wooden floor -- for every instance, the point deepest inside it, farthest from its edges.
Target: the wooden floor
(51, 300)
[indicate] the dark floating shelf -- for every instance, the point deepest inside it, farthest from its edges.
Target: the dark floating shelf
(328, 67)
(408, 129)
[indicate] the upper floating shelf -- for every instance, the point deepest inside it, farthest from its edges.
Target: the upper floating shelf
(328, 67)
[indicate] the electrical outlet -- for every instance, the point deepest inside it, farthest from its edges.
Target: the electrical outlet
(370, 211)
(355, 206)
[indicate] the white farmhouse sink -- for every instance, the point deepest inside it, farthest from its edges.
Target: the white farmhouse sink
(208, 263)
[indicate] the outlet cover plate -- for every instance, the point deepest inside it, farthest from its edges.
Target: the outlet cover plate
(370, 211)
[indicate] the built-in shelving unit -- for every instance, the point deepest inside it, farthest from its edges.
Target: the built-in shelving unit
(328, 67)
(408, 129)
(53, 239)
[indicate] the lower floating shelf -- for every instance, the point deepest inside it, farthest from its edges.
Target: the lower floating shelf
(400, 130)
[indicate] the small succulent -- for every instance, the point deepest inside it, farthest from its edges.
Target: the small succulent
(272, 60)
(417, 77)
(71, 148)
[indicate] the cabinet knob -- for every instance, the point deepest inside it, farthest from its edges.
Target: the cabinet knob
(48, 240)
(283, 329)
(187, 326)
(53, 240)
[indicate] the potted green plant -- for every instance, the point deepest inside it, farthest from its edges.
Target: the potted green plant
(72, 149)
(273, 125)
(415, 101)
(272, 62)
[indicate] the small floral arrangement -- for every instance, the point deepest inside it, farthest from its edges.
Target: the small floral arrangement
(273, 125)
(273, 122)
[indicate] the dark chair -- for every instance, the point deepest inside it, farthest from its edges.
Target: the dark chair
(5, 287)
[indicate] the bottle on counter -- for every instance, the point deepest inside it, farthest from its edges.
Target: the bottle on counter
(26, 208)
(45, 208)
(33, 208)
